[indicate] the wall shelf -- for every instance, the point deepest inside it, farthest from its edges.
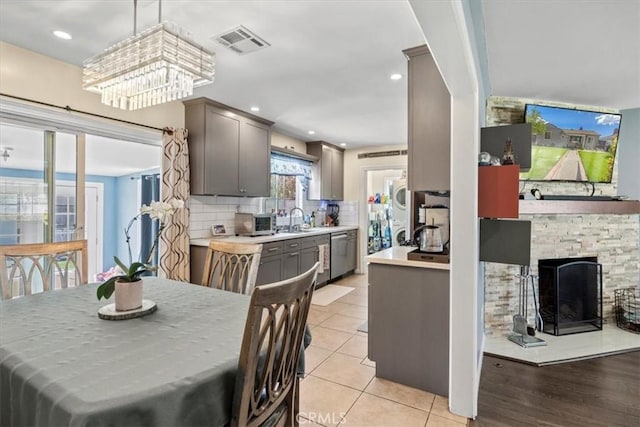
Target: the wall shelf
(551, 207)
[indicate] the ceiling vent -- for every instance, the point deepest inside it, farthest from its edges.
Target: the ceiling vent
(241, 40)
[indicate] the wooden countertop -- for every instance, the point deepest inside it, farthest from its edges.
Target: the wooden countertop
(397, 255)
(550, 207)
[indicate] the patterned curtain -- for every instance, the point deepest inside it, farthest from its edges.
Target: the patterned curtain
(174, 241)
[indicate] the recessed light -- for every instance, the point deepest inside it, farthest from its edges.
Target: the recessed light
(343, 144)
(395, 76)
(62, 35)
(311, 132)
(255, 108)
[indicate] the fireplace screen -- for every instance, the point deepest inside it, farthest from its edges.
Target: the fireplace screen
(570, 295)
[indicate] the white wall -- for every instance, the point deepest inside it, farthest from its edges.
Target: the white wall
(37, 77)
(355, 169)
(285, 141)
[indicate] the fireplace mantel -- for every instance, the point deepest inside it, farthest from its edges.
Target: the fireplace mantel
(550, 207)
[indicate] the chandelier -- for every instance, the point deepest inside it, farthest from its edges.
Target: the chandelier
(158, 65)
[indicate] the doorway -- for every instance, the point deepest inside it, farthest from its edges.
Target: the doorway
(379, 220)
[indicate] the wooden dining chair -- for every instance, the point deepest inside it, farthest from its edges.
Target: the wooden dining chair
(267, 385)
(232, 266)
(52, 265)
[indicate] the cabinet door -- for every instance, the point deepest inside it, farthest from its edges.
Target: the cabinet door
(290, 264)
(221, 154)
(429, 126)
(352, 253)
(327, 168)
(337, 175)
(308, 257)
(221, 151)
(254, 160)
(270, 270)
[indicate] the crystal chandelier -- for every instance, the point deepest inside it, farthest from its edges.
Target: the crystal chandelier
(156, 66)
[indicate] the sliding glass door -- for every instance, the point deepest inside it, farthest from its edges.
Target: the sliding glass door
(33, 207)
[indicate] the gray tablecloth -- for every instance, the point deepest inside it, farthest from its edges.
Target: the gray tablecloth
(61, 365)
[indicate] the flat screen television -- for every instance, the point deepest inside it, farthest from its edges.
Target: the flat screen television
(571, 145)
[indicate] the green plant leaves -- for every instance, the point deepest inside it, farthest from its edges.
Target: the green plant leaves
(106, 289)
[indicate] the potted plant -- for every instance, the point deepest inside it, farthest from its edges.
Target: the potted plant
(127, 282)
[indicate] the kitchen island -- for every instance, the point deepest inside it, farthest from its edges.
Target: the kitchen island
(409, 320)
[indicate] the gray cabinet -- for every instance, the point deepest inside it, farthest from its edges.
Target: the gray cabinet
(429, 151)
(409, 326)
(279, 260)
(270, 270)
(328, 179)
(352, 250)
(229, 150)
(291, 258)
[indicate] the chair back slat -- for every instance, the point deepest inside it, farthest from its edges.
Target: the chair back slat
(232, 266)
(267, 380)
(23, 268)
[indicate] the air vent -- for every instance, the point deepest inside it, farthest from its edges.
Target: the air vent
(241, 40)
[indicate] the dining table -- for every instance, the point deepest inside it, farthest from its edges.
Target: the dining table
(62, 365)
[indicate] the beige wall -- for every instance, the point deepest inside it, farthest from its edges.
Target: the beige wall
(284, 141)
(37, 77)
(354, 167)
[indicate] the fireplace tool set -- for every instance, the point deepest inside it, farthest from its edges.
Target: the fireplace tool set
(522, 332)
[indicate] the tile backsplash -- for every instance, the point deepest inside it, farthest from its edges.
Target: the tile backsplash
(206, 211)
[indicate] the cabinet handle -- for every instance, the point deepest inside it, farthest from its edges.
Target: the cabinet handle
(293, 245)
(272, 249)
(294, 254)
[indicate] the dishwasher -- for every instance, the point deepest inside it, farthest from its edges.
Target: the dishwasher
(339, 262)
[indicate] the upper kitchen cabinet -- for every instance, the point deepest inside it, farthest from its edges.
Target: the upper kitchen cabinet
(229, 150)
(429, 124)
(328, 177)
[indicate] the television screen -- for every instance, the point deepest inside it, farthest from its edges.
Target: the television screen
(571, 145)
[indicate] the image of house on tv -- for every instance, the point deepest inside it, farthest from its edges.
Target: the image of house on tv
(580, 139)
(571, 145)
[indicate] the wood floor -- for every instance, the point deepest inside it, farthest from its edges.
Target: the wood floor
(597, 392)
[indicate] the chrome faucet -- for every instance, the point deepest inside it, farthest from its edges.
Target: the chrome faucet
(291, 219)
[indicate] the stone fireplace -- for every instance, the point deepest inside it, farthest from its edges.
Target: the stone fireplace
(614, 239)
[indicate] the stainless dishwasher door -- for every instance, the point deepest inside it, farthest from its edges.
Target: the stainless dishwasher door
(338, 254)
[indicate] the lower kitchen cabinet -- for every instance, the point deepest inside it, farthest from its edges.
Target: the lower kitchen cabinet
(284, 259)
(270, 270)
(290, 265)
(409, 326)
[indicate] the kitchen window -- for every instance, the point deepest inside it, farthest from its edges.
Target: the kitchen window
(289, 178)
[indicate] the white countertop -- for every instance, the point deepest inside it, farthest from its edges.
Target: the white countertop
(397, 255)
(274, 237)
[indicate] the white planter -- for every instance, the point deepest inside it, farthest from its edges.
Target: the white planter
(128, 295)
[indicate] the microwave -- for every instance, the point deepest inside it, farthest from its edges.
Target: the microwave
(248, 224)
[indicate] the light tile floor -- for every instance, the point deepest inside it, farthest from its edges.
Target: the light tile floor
(340, 387)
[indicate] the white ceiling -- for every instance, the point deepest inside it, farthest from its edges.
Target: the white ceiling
(584, 52)
(329, 62)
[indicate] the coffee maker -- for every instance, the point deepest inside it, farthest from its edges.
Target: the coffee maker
(437, 215)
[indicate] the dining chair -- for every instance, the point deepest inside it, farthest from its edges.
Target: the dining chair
(24, 268)
(267, 385)
(232, 266)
